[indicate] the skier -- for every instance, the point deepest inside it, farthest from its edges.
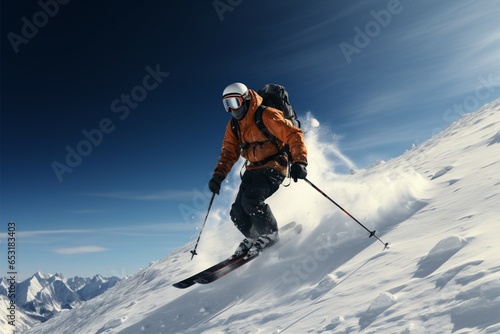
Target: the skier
(267, 164)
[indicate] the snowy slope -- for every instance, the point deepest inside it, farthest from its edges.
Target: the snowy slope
(437, 205)
(22, 320)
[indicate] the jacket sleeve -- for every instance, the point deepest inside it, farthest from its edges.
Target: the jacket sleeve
(229, 154)
(285, 131)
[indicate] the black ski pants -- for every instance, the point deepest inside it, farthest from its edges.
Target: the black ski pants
(249, 213)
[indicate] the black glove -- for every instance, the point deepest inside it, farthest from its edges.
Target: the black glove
(215, 182)
(298, 171)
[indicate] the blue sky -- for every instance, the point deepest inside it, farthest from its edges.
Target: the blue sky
(135, 88)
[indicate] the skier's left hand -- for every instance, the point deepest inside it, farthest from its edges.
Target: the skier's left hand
(298, 171)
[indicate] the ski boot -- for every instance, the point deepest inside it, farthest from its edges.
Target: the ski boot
(262, 242)
(244, 247)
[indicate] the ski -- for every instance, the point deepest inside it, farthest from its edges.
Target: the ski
(186, 283)
(209, 272)
(213, 276)
(210, 277)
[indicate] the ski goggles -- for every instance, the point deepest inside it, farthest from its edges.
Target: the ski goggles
(233, 102)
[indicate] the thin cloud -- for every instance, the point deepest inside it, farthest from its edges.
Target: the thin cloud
(167, 195)
(34, 234)
(388, 135)
(88, 211)
(122, 230)
(80, 250)
(464, 46)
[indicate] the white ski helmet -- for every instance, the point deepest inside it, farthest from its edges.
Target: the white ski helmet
(236, 88)
(235, 100)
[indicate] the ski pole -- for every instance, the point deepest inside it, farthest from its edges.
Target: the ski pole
(372, 233)
(204, 222)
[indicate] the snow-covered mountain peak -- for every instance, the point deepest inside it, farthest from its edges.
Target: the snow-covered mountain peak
(41, 276)
(42, 296)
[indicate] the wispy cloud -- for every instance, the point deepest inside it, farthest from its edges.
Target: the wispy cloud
(40, 233)
(388, 135)
(80, 250)
(435, 57)
(166, 195)
(88, 211)
(451, 44)
(382, 104)
(151, 229)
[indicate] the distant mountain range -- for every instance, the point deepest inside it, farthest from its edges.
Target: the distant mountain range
(42, 296)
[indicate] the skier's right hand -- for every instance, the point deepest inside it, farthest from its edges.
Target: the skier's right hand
(215, 182)
(298, 171)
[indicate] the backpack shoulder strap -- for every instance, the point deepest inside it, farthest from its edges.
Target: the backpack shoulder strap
(260, 123)
(235, 127)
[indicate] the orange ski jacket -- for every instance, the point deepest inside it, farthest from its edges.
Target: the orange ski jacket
(258, 147)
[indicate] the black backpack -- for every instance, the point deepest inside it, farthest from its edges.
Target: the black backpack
(274, 96)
